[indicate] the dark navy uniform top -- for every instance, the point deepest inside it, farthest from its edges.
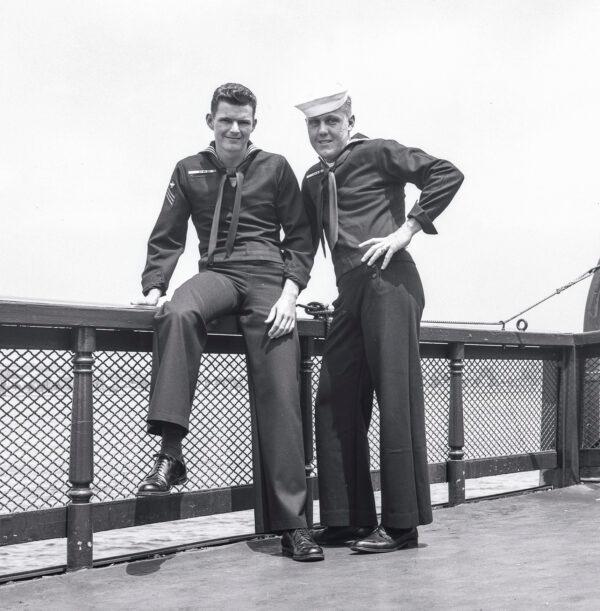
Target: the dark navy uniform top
(270, 201)
(371, 175)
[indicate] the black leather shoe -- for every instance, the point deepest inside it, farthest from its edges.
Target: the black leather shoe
(299, 545)
(340, 535)
(384, 539)
(166, 473)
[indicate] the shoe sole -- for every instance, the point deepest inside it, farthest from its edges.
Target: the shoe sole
(311, 558)
(158, 493)
(338, 544)
(406, 545)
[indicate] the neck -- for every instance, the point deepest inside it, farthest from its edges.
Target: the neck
(230, 160)
(332, 159)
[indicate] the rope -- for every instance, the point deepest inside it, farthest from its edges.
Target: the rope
(320, 311)
(521, 323)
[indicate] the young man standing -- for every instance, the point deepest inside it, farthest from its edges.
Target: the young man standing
(239, 198)
(355, 197)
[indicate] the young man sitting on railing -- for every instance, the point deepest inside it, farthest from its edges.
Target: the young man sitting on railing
(239, 198)
(355, 196)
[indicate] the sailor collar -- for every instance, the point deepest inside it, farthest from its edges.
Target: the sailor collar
(212, 150)
(333, 165)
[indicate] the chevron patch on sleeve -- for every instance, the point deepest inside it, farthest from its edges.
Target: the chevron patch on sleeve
(170, 195)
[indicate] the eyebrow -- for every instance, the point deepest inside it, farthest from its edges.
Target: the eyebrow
(244, 120)
(324, 118)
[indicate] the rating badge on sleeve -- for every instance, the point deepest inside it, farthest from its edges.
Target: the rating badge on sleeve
(170, 195)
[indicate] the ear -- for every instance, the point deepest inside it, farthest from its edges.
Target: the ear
(210, 121)
(254, 122)
(351, 121)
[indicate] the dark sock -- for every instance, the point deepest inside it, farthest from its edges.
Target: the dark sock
(172, 435)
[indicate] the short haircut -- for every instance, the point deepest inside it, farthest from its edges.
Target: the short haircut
(233, 93)
(346, 107)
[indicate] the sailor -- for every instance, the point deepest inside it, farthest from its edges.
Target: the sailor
(355, 199)
(239, 198)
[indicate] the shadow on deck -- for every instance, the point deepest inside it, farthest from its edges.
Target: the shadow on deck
(540, 550)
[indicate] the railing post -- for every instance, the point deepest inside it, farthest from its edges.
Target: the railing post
(589, 415)
(567, 423)
(456, 437)
(81, 465)
(551, 387)
(306, 368)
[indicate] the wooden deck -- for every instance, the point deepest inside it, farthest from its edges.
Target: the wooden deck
(536, 551)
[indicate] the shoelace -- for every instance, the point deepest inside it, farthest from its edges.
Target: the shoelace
(301, 535)
(160, 468)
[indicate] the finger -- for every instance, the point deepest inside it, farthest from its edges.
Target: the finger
(376, 255)
(146, 304)
(271, 316)
(285, 327)
(370, 252)
(370, 241)
(276, 326)
(274, 331)
(283, 330)
(279, 332)
(388, 257)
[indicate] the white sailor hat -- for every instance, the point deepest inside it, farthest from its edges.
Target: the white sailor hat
(320, 106)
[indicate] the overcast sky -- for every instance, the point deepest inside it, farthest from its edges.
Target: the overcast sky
(100, 99)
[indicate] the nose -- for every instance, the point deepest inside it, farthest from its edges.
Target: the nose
(322, 128)
(235, 128)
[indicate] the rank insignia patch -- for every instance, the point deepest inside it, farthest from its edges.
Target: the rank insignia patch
(170, 196)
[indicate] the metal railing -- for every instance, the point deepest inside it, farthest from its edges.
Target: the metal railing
(588, 384)
(74, 383)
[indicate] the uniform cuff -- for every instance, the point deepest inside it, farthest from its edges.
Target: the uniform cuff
(301, 281)
(420, 215)
(153, 283)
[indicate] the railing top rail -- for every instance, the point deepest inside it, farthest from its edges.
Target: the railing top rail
(492, 337)
(587, 338)
(109, 316)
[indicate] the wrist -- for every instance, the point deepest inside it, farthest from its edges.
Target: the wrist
(290, 290)
(412, 225)
(289, 297)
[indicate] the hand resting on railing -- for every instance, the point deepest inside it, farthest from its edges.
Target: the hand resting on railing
(151, 299)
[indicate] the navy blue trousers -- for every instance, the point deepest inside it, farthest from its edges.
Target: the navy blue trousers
(373, 345)
(249, 291)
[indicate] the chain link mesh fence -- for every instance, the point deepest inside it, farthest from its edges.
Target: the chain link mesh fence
(218, 448)
(510, 407)
(436, 387)
(590, 416)
(35, 419)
